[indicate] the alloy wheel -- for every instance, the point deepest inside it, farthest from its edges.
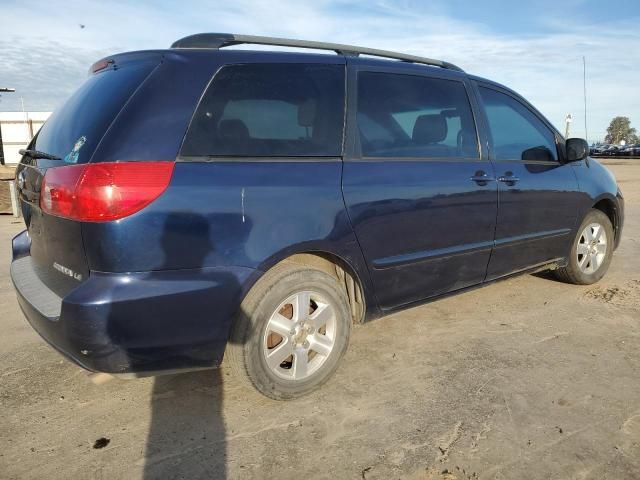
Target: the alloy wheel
(592, 248)
(300, 335)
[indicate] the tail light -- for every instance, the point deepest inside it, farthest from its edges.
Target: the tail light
(100, 192)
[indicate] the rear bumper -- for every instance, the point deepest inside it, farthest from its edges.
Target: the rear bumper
(132, 323)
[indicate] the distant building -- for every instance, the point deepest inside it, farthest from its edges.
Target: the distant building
(16, 131)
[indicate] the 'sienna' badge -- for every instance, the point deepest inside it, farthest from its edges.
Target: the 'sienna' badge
(72, 156)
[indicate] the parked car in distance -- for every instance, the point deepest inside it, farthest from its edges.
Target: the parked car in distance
(608, 149)
(598, 149)
(621, 150)
(603, 149)
(277, 198)
(624, 150)
(632, 150)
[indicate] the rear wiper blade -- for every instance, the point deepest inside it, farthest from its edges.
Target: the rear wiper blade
(35, 154)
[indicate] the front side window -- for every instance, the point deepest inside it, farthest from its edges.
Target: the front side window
(517, 133)
(257, 110)
(411, 116)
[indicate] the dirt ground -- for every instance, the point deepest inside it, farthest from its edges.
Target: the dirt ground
(527, 378)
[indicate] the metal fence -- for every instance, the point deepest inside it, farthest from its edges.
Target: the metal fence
(16, 131)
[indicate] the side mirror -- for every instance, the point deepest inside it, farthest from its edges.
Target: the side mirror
(577, 149)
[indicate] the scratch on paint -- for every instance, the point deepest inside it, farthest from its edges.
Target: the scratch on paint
(242, 200)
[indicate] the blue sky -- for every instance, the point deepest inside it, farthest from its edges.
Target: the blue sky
(534, 47)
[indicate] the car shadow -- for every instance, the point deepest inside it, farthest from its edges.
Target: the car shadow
(547, 275)
(187, 435)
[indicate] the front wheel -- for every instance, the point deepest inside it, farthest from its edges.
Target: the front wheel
(291, 332)
(591, 251)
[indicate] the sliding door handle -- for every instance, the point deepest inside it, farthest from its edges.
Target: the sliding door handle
(509, 178)
(481, 178)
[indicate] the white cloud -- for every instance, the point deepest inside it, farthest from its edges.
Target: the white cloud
(45, 54)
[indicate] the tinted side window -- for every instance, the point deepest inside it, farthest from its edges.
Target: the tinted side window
(270, 110)
(411, 116)
(517, 133)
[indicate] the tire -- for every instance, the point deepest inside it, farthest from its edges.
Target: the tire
(315, 339)
(579, 270)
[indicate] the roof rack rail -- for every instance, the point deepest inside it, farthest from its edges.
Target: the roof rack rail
(220, 40)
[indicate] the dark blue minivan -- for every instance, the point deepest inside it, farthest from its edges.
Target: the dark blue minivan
(201, 201)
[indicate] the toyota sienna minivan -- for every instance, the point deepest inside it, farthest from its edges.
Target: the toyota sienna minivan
(198, 202)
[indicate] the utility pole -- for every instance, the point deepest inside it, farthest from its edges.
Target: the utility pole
(3, 90)
(584, 88)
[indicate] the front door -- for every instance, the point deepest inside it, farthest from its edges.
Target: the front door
(536, 192)
(420, 196)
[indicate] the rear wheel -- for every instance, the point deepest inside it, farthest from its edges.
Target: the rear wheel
(292, 330)
(591, 251)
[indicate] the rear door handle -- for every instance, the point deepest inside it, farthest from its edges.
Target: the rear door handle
(481, 178)
(509, 178)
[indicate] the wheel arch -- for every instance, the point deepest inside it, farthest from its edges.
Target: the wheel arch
(354, 281)
(345, 274)
(609, 207)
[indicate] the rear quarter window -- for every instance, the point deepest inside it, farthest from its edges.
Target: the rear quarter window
(74, 130)
(270, 110)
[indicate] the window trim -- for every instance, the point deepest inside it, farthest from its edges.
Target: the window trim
(181, 157)
(353, 150)
(531, 109)
(262, 159)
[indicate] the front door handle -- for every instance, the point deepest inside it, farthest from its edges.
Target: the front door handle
(509, 178)
(481, 178)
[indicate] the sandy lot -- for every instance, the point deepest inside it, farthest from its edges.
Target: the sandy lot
(527, 378)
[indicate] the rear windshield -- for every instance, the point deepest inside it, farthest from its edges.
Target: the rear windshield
(262, 110)
(74, 130)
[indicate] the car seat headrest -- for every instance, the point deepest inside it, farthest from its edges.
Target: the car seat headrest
(429, 129)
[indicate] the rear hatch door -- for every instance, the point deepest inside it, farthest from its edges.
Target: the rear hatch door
(73, 133)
